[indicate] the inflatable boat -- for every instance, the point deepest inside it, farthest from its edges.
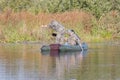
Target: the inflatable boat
(63, 48)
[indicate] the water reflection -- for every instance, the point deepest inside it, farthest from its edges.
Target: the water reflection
(64, 62)
(26, 62)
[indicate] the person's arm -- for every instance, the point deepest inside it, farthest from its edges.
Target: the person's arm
(78, 40)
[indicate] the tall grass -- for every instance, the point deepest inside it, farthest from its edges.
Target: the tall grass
(25, 26)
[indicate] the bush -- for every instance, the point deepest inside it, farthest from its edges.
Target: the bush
(97, 7)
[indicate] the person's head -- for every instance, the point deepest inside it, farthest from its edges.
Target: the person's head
(71, 32)
(53, 24)
(56, 26)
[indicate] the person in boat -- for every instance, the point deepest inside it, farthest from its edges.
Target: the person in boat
(60, 33)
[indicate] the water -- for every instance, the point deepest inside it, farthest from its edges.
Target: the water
(26, 62)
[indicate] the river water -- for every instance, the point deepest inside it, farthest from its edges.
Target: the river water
(26, 62)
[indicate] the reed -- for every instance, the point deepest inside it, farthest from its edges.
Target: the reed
(25, 26)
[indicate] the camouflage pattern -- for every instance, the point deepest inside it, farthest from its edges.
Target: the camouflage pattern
(60, 31)
(57, 26)
(73, 38)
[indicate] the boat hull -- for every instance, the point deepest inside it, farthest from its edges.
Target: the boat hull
(65, 48)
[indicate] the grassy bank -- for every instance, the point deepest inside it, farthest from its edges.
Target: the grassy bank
(25, 26)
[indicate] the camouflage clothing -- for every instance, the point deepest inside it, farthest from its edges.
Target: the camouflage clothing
(60, 38)
(73, 38)
(60, 31)
(57, 27)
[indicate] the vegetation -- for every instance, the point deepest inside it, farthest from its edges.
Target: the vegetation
(93, 20)
(96, 7)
